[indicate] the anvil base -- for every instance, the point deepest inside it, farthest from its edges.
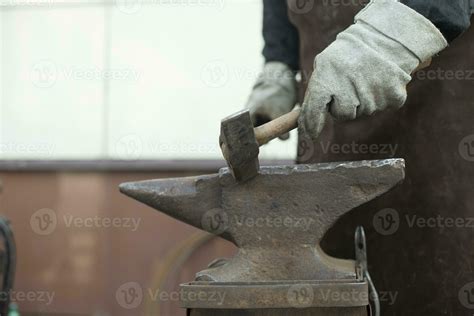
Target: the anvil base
(338, 297)
(347, 311)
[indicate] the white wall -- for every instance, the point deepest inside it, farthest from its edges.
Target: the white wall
(136, 79)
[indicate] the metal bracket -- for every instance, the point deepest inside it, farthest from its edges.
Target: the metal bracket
(258, 295)
(362, 269)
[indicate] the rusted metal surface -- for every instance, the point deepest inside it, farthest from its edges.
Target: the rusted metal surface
(351, 311)
(277, 220)
(277, 294)
(239, 146)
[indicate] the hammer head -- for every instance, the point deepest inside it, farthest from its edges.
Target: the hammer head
(239, 146)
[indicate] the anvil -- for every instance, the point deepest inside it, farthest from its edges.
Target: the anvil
(277, 221)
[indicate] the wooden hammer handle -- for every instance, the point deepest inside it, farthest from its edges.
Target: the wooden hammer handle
(271, 130)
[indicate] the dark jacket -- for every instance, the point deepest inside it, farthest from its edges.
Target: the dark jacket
(452, 17)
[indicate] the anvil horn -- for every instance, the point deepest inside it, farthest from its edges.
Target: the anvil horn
(186, 199)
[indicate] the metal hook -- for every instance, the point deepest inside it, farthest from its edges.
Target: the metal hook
(361, 260)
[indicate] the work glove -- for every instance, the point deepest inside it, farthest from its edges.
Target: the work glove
(367, 68)
(273, 95)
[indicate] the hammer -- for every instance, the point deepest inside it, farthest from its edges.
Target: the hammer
(240, 141)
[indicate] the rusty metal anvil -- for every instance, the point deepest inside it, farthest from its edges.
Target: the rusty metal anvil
(277, 220)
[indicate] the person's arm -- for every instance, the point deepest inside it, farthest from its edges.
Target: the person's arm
(451, 17)
(280, 35)
(275, 91)
(367, 68)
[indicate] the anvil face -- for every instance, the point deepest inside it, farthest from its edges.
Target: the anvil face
(276, 219)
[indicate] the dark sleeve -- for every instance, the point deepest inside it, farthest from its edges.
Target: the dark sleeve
(280, 35)
(451, 17)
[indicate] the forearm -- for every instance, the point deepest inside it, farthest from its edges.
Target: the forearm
(280, 35)
(451, 17)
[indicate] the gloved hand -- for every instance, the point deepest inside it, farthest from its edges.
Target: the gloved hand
(367, 68)
(274, 94)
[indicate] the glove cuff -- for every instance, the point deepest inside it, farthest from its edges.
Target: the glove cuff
(404, 25)
(276, 72)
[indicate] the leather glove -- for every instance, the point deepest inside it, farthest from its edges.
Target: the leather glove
(367, 68)
(274, 94)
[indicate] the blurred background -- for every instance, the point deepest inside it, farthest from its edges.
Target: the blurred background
(132, 79)
(96, 93)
